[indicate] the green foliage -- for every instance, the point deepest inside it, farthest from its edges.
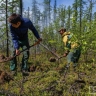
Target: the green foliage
(48, 78)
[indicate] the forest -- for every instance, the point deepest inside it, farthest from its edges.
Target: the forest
(50, 78)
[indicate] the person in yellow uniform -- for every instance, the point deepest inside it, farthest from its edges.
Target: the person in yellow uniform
(72, 47)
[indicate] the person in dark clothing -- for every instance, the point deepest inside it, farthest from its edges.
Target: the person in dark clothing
(19, 31)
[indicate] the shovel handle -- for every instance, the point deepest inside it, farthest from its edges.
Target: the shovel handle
(27, 48)
(50, 50)
(60, 57)
(10, 58)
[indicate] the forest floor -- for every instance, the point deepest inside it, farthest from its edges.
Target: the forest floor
(50, 78)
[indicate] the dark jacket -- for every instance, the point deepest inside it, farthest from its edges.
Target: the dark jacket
(21, 33)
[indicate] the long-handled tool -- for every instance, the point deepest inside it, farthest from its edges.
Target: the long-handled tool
(5, 59)
(52, 59)
(49, 50)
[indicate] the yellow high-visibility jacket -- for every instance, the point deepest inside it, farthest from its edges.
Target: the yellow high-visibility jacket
(70, 41)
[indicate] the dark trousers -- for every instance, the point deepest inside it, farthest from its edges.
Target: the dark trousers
(13, 63)
(74, 56)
